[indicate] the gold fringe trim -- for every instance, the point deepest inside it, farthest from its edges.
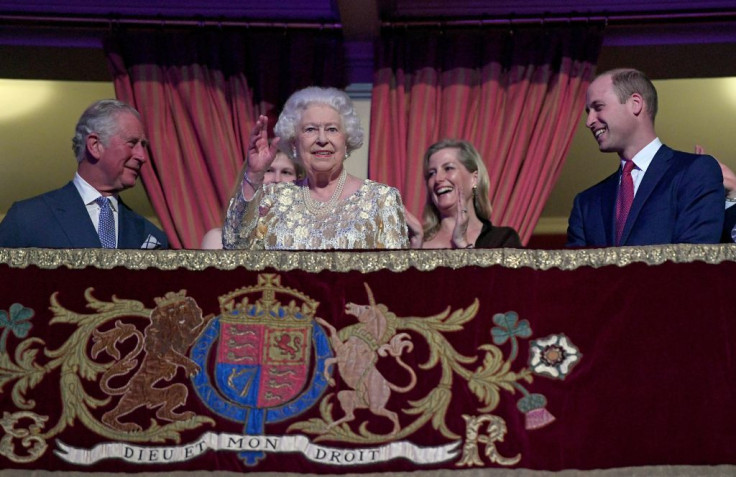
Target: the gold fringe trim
(343, 261)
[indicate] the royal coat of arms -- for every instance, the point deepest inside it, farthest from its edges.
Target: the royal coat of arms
(353, 380)
(263, 354)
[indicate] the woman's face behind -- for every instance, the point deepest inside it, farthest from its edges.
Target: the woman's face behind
(281, 170)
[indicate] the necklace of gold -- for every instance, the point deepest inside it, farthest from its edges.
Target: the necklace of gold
(316, 207)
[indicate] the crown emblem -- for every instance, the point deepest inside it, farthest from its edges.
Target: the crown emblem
(171, 298)
(265, 300)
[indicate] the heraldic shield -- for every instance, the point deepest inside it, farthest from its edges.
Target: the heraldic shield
(262, 351)
(262, 361)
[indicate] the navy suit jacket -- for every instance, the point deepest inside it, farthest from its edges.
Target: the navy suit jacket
(679, 200)
(59, 219)
(729, 234)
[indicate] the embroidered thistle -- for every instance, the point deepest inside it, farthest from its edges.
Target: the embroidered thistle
(553, 356)
(535, 411)
(510, 328)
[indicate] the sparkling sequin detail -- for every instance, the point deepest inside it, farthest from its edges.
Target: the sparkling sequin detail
(277, 219)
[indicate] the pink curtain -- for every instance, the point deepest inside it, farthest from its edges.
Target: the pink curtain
(516, 95)
(199, 93)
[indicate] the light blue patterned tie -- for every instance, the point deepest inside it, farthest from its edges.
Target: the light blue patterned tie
(106, 229)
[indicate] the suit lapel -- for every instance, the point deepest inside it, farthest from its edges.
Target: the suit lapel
(70, 213)
(608, 199)
(130, 228)
(656, 170)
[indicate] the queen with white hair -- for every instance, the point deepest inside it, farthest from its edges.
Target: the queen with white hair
(328, 208)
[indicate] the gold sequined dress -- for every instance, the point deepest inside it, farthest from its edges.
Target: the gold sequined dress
(278, 219)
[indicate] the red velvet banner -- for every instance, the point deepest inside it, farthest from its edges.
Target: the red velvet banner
(372, 362)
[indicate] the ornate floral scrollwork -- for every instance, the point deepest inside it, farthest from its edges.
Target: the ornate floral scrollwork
(76, 367)
(376, 322)
(30, 438)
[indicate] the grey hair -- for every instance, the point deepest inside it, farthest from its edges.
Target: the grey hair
(99, 118)
(291, 115)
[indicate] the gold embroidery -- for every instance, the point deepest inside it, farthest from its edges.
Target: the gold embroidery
(394, 260)
(356, 357)
(33, 442)
(379, 333)
(175, 324)
(77, 368)
(496, 430)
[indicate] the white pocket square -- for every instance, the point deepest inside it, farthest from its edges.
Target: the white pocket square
(151, 243)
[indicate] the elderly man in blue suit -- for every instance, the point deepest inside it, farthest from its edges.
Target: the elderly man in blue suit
(658, 195)
(111, 147)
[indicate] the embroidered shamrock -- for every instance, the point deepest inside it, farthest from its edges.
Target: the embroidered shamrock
(17, 321)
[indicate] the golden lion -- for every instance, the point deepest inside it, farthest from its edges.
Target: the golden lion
(176, 323)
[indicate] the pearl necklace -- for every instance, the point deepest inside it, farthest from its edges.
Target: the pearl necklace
(316, 207)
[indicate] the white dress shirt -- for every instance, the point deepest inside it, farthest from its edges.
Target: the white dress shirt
(641, 160)
(89, 195)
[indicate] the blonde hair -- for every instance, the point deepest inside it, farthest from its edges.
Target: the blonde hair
(469, 157)
(299, 170)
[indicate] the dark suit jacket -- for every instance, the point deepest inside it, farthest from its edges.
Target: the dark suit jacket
(728, 225)
(59, 219)
(679, 200)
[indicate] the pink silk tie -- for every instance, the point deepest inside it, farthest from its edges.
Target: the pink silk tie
(624, 200)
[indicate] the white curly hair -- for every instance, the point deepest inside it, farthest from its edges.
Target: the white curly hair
(291, 115)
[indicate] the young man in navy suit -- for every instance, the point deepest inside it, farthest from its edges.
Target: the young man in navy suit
(111, 147)
(677, 196)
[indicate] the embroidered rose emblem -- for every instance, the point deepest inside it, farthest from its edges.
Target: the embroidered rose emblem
(553, 356)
